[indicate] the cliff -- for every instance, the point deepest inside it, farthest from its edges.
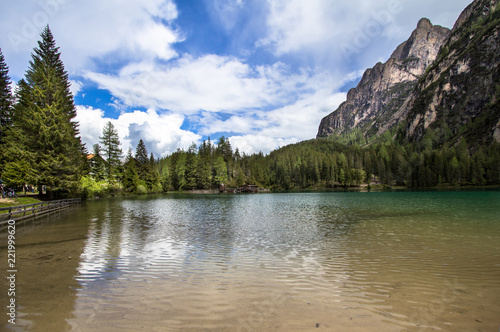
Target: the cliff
(438, 81)
(384, 88)
(460, 91)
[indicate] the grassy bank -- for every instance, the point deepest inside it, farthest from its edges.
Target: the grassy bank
(8, 202)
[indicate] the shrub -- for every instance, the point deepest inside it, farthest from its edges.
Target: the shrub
(141, 189)
(91, 188)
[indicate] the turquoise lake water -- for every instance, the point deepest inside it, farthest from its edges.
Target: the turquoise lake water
(357, 261)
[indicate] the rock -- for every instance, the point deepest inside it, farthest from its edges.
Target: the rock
(461, 90)
(438, 79)
(385, 87)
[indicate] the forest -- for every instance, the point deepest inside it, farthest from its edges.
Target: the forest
(40, 146)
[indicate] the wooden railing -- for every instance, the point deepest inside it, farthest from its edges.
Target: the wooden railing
(36, 209)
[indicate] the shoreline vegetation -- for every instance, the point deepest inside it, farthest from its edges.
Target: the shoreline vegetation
(40, 146)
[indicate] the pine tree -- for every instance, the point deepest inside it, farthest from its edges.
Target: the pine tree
(144, 167)
(141, 157)
(97, 164)
(43, 135)
(191, 167)
(130, 175)
(5, 97)
(112, 153)
(154, 177)
(5, 105)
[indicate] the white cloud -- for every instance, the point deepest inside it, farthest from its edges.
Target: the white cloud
(88, 30)
(211, 83)
(75, 87)
(341, 31)
(265, 131)
(250, 144)
(225, 11)
(296, 25)
(161, 133)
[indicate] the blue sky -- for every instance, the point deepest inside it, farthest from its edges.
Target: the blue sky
(173, 72)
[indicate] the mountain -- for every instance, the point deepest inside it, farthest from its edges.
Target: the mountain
(439, 79)
(384, 88)
(460, 91)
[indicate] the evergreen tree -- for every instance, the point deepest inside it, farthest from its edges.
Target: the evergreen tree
(43, 135)
(144, 165)
(97, 164)
(130, 175)
(5, 105)
(178, 170)
(141, 157)
(191, 167)
(112, 153)
(154, 175)
(5, 97)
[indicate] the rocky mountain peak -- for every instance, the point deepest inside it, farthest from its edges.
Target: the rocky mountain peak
(459, 96)
(373, 98)
(424, 42)
(440, 83)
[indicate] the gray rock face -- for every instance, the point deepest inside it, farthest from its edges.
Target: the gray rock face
(461, 90)
(447, 81)
(385, 87)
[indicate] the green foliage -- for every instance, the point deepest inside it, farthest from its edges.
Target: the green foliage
(91, 188)
(43, 135)
(16, 173)
(130, 178)
(111, 149)
(141, 188)
(97, 163)
(6, 100)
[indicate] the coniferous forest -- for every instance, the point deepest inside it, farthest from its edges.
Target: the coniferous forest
(40, 146)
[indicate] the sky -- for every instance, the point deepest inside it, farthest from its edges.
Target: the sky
(262, 73)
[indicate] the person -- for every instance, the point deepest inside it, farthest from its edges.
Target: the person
(1, 189)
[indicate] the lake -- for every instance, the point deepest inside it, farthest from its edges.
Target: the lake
(339, 261)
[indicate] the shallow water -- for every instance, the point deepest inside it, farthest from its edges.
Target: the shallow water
(384, 261)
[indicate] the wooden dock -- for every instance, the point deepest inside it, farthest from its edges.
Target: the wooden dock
(22, 212)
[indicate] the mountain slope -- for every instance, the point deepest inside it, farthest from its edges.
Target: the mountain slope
(454, 92)
(460, 92)
(385, 87)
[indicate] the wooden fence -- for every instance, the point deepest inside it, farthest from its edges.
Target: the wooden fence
(22, 212)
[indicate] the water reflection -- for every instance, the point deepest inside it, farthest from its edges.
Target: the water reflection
(345, 261)
(47, 258)
(212, 262)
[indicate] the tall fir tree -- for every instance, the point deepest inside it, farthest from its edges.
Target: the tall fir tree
(44, 141)
(144, 167)
(130, 175)
(141, 155)
(110, 143)
(154, 177)
(97, 164)
(5, 105)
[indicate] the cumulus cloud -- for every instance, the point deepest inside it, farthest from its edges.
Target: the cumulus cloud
(161, 133)
(210, 83)
(75, 87)
(250, 144)
(342, 31)
(89, 30)
(265, 131)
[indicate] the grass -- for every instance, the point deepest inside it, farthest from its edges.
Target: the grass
(8, 202)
